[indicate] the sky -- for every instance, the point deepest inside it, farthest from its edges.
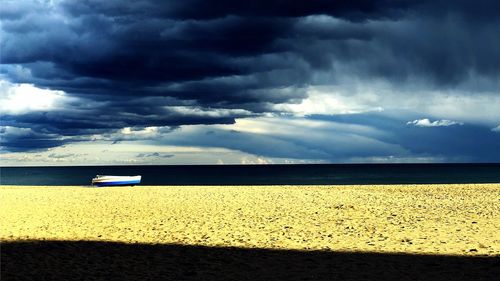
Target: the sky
(93, 82)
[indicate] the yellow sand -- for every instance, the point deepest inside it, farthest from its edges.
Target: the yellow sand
(430, 219)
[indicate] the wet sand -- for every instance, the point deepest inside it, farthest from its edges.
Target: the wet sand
(410, 219)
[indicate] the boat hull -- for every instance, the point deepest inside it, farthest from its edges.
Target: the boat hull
(116, 181)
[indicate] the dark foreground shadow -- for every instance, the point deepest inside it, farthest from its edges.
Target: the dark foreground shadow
(86, 260)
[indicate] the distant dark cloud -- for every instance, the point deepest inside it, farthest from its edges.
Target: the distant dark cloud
(18, 139)
(155, 154)
(175, 63)
(350, 138)
(459, 142)
(61, 156)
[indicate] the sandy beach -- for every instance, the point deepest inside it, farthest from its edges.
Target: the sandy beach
(433, 219)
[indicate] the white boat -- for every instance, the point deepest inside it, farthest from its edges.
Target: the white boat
(115, 180)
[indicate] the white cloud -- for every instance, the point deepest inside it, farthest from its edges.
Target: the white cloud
(207, 112)
(299, 127)
(22, 98)
(496, 129)
(144, 132)
(438, 123)
(256, 160)
(329, 101)
(15, 131)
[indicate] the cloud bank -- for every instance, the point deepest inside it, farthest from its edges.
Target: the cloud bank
(82, 71)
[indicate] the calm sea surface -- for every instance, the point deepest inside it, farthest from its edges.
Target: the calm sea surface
(260, 174)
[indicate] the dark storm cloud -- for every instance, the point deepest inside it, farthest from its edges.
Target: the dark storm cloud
(17, 139)
(125, 49)
(100, 120)
(137, 62)
(199, 9)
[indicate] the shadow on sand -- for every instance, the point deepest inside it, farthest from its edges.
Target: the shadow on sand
(87, 260)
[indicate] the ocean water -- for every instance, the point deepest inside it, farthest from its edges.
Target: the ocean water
(259, 174)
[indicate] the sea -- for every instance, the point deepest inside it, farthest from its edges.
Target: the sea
(314, 174)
